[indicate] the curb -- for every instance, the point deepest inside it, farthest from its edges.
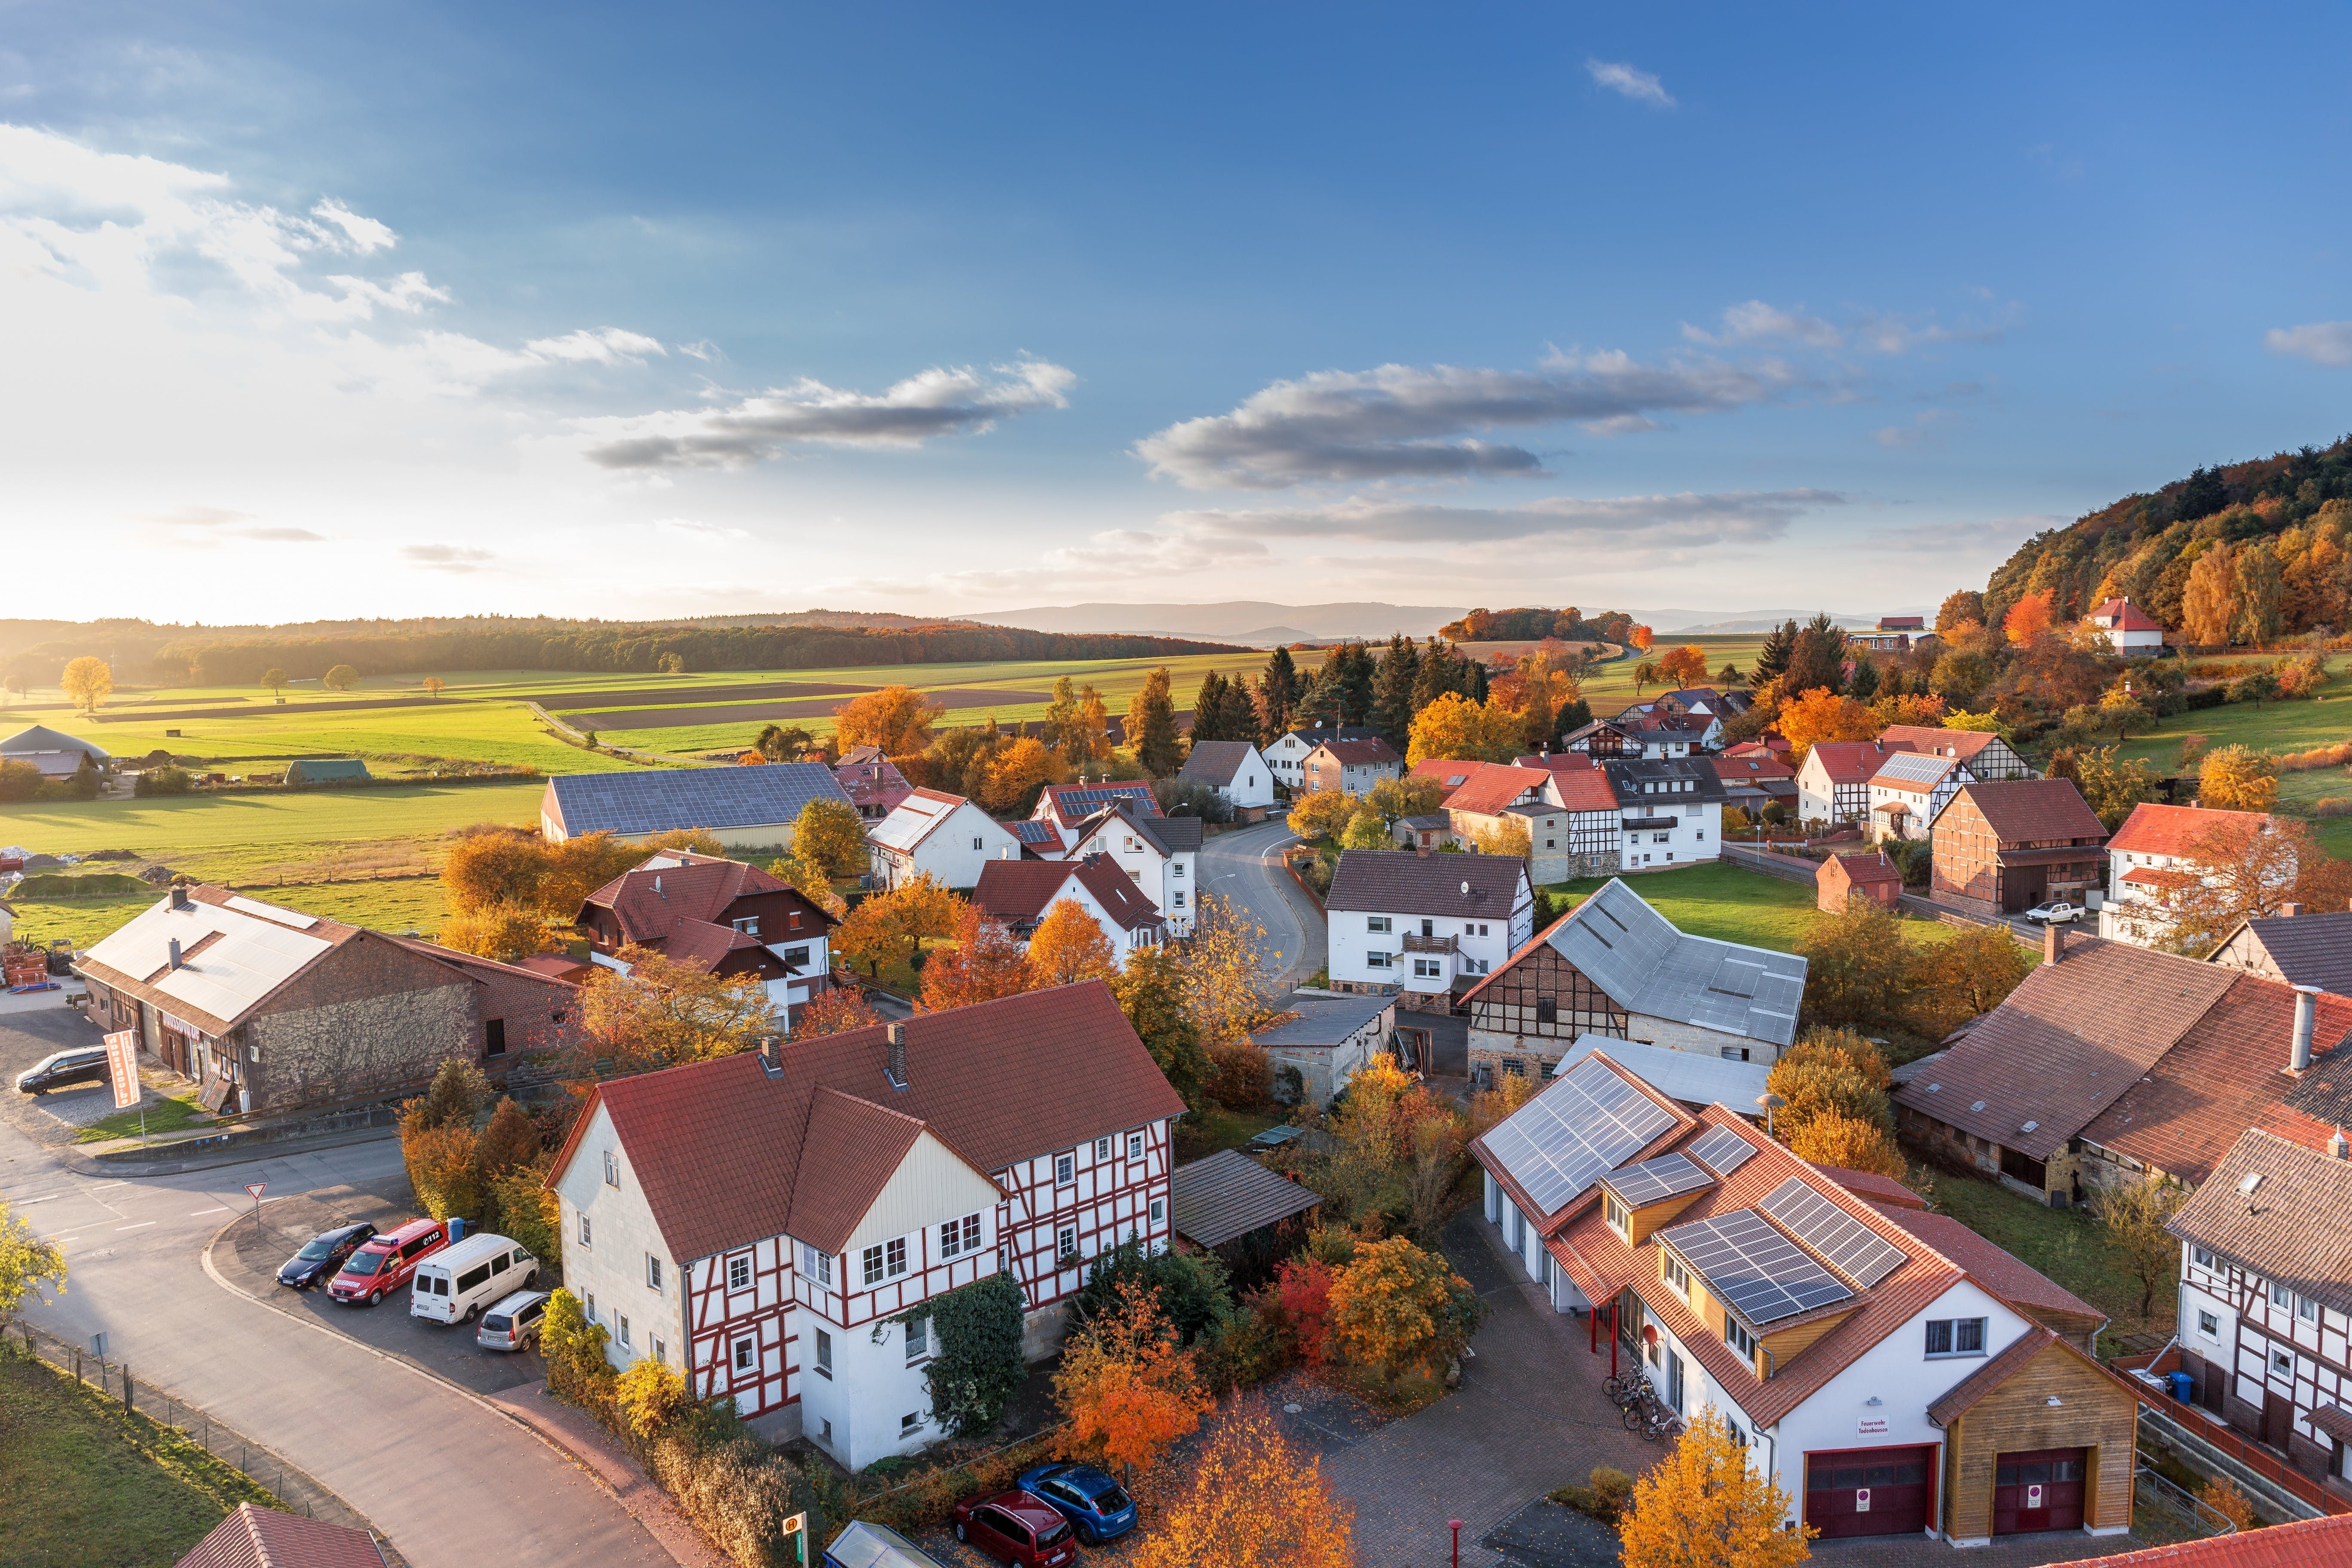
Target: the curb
(70, 1156)
(545, 1440)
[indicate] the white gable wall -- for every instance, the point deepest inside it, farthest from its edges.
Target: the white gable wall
(610, 1267)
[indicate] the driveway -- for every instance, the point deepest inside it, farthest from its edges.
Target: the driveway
(1245, 868)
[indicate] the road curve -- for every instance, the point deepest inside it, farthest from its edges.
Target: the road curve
(1245, 868)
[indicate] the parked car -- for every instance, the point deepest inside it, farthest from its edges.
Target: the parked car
(384, 1263)
(2056, 912)
(83, 1064)
(1017, 1527)
(463, 1278)
(1093, 1502)
(322, 1257)
(513, 1322)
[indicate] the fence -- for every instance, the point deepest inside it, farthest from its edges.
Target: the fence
(2211, 1446)
(2190, 1513)
(295, 1490)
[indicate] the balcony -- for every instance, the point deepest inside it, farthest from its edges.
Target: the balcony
(1428, 943)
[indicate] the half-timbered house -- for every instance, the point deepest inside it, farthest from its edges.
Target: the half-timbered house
(771, 1223)
(2003, 845)
(730, 918)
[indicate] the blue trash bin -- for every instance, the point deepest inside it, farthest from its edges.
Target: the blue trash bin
(457, 1234)
(2184, 1387)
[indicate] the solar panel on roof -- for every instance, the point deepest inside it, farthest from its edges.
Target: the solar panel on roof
(1755, 1269)
(1654, 1181)
(1722, 1151)
(1581, 1125)
(1851, 1247)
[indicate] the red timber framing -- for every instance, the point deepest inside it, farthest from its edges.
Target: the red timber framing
(1541, 996)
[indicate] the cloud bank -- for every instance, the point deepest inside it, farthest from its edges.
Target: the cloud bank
(1638, 85)
(2321, 342)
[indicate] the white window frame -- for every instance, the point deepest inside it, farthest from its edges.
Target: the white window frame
(746, 1356)
(612, 1169)
(1066, 1169)
(919, 1341)
(653, 1274)
(587, 1230)
(869, 1266)
(823, 1354)
(894, 1257)
(741, 1260)
(1135, 1145)
(1066, 1242)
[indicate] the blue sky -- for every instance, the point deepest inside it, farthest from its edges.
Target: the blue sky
(332, 309)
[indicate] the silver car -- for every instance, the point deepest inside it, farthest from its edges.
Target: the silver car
(512, 1321)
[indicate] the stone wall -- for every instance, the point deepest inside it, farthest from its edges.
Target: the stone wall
(368, 1017)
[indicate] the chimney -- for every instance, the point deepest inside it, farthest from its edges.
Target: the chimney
(2339, 1146)
(175, 952)
(771, 1060)
(2306, 1013)
(2053, 943)
(179, 895)
(2288, 911)
(895, 1068)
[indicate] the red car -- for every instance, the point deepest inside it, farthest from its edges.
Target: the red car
(1016, 1527)
(385, 1264)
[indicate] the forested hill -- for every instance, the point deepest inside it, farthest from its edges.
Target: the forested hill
(2290, 514)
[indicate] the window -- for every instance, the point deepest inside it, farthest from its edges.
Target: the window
(1066, 1170)
(738, 1272)
(2306, 1309)
(2203, 1258)
(589, 1301)
(746, 1353)
(1102, 1148)
(975, 842)
(824, 1353)
(1178, 868)
(909, 1422)
(959, 1236)
(1700, 835)
(1514, 1067)
(661, 1350)
(2278, 1294)
(1612, 1211)
(1479, 930)
(796, 959)
(494, 1037)
(749, 925)
(1739, 1338)
(918, 1339)
(1955, 1336)
(870, 1265)
(895, 1257)
(1547, 1009)
(621, 1327)
(815, 1263)
(652, 1272)
(1377, 923)
(1135, 1145)
(2209, 1325)
(1425, 969)
(1376, 960)
(1066, 1242)
(612, 1169)
(1158, 1210)
(2283, 1363)
(1671, 1270)
(586, 1231)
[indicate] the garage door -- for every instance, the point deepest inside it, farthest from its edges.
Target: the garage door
(1870, 1491)
(2038, 1491)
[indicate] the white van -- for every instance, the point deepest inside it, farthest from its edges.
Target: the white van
(458, 1281)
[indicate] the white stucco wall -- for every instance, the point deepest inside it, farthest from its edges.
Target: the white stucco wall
(611, 1268)
(1696, 835)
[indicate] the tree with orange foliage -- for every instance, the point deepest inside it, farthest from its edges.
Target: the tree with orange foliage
(1250, 1499)
(1127, 1386)
(1640, 637)
(898, 719)
(1703, 1506)
(1069, 946)
(1396, 1308)
(890, 925)
(984, 964)
(1017, 773)
(1302, 1286)
(835, 1011)
(1821, 715)
(2030, 616)
(1924, 708)
(1683, 666)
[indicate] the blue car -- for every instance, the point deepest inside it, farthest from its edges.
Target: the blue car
(1096, 1506)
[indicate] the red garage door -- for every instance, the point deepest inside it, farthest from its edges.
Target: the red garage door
(2038, 1491)
(1870, 1491)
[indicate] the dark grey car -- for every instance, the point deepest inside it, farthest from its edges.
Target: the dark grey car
(83, 1064)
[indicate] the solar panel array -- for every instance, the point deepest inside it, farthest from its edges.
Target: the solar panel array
(1851, 1247)
(1722, 1151)
(1581, 1126)
(1761, 1273)
(1085, 800)
(1654, 1181)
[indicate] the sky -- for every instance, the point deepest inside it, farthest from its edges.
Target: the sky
(331, 309)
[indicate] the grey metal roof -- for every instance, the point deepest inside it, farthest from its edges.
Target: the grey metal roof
(1685, 1076)
(1628, 774)
(1323, 1020)
(1169, 835)
(2309, 949)
(1646, 965)
(1229, 1194)
(715, 798)
(39, 738)
(1398, 881)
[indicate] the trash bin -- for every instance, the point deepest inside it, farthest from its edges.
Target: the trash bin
(2184, 1387)
(457, 1234)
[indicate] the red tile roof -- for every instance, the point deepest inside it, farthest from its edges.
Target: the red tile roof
(1937, 742)
(1587, 790)
(1751, 765)
(1883, 1191)
(1871, 868)
(2123, 615)
(1495, 785)
(1853, 761)
(255, 1537)
(647, 904)
(2153, 829)
(1684, 1121)
(1025, 890)
(720, 1149)
(2022, 811)
(2302, 1544)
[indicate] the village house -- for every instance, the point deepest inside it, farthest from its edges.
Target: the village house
(2266, 1298)
(1423, 926)
(860, 1175)
(1738, 1278)
(1234, 770)
(1754, 779)
(871, 780)
(1487, 803)
(2152, 857)
(938, 835)
(1326, 1040)
(2295, 945)
(1698, 710)
(1352, 767)
(2129, 630)
(270, 1009)
(1844, 878)
(1988, 756)
(1669, 810)
(727, 917)
(1430, 831)
(1616, 968)
(751, 810)
(1063, 809)
(1287, 758)
(1629, 735)
(1907, 791)
(2003, 846)
(1161, 855)
(1017, 893)
(1834, 780)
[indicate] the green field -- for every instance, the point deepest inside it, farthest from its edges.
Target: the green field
(1731, 903)
(1609, 688)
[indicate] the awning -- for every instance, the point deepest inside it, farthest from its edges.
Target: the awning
(2334, 1420)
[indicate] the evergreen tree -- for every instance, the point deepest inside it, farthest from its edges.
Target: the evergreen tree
(1476, 689)
(1278, 694)
(1817, 661)
(1863, 684)
(1773, 657)
(1392, 688)
(1355, 662)
(1209, 709)
(1574, 717)
(1237, 713)
(1151, 726)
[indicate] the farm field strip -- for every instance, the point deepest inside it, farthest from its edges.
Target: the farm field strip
(954, 698)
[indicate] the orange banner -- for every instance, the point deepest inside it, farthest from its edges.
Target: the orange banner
(122, 1068)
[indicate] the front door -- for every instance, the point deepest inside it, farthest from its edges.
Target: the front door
(1870, 1491)
(2278, 1418)
(2042, 1489)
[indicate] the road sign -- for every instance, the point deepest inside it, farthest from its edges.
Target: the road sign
(255, 1189)
(122, 1068)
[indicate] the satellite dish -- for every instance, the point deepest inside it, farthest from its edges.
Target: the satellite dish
(1465, 890)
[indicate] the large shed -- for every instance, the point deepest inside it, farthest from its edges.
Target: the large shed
(745, 808)
(1221, 1200)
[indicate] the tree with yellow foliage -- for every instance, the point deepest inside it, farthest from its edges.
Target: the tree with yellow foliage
(985, 965)
(892, 925)
(663, 1013)
(831, 833)
(898, 719)
(1365, 830)
(1128, 1387)
(1821, 715)
(1455, 728)
(1069, 946)
(2208, 600)
(1321, 814)
(1251, 1498)
(1224, 962)
(1833, 1138)
(500, 932)
(1017, 773)
(2236, 779)
(89, 681)
(1396, 1308)
(1703, 1506)
(1683, 666)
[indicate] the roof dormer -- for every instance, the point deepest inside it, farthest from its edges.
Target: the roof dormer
(1642, 1198)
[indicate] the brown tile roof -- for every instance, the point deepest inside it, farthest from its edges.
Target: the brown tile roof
(1356, 754)
(2066, 1044)
(2153, 829)
(2309, 949)
(700, 942)
(2122, 615)
(1025, 890)
(1871, 868)
(2013, 1358)
(553, 971)
(719, 1149)
(1935, 740)
(1853, 761)
(2295, 1227)
(1216, 762)
(2021, 810)
(1757, 766)
(255, 1537)
(2226, 1074)
(1229, 1194)
(1399, 881)
(1494, 786)
(648, 903)
(854, 1145)
(1878, 1189)
(2011, 1278)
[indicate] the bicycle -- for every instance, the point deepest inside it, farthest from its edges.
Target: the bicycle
(1649, 1418)
(1625, 1386)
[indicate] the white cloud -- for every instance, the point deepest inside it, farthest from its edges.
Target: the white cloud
(1757, 322)
(2321, 342)
(445, 557)
(212, 528)
(605, 345)
(1637, 84)
(941, 401)
(695, 533)
(1649, 523)
(1413, 422)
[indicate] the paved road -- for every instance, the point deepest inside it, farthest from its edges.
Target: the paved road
(1245, 868)
(450, 1482)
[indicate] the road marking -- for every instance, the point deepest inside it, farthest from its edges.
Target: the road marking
(63, 1239)
(194, 1213)
(118, 1182)
(142, 1225)
(23, 1203)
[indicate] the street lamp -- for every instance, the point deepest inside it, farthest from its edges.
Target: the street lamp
(1770, 1101)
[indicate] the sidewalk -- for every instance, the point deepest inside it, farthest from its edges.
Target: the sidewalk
(595, 1450)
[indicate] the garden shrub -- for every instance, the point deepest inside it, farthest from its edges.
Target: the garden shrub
(1241, 1076)
(977, 1365)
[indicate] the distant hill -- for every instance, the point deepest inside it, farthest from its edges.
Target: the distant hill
(1255, 622)
(2144, 546)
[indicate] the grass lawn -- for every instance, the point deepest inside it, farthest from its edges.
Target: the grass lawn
(1206, 1131)
(89, 1482)
(1732, 903)
(170, 1115)
(1610, 688)
(2273, 727)
(2064, 1244)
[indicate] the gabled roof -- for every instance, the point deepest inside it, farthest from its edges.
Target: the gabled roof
(1450, 775)
(1913, 773)
(1645, 965)
(1372, 751)
(1937, 742)
(235, 953)
(1883, 1191)
(1851, 762)
(702, 942)
(1627, 775)
(646, 903)
(1754, 765)
(1025, 890)
(1216, 762)
(664, 799)
(256, 1537)
(916, 818)
(36, 737)
(2123, 615)
(2308, 949)
(2013, 1358)
(1586, 789)
(1169, 835)
(1399, 881)
(1319, 1021)
(2153, 829)
(1229, 1194)
(2066, 1044)
(1069, 804)
(1494, 786)
(2021, 810)
(1691, 1078)
(2299, 1544)
(1860, 868)
(721, 1151)
(1315, 736)
(1031, 830)
(2281, 1210)
(2010, 1277)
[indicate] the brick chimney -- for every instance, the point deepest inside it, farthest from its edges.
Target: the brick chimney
(2053, 943)
(2306, 1014)
(771, 1060)
(2339, 1146)
(2288, 911)
(894, 1066)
